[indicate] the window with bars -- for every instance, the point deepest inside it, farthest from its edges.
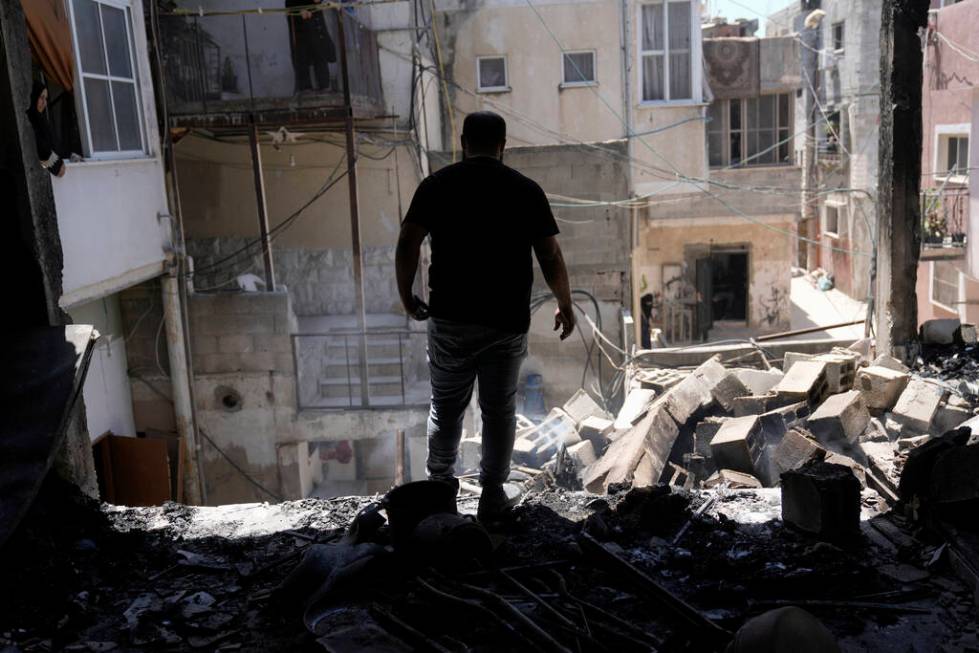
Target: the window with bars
(109, 89)
(491, 74)
(666, 50)
(839, 37)
(750, 131)
(579, 68)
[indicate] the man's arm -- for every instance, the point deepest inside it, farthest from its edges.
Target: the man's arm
(556, 275)
(406, 263)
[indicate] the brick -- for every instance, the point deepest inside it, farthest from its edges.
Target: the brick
(805, 381)
(841, 417)
(822, 499)
(881, 386)
(738, 445)
(758, 382)
(235, 344)
(917, 405)
(732, 480)
(796, 449)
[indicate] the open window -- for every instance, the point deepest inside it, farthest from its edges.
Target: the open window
(750, 131)
(491, 74)
(952, 154)
(839, 38)
(110, 111)
(834, 219)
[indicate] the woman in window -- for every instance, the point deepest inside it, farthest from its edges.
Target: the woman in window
(37, 113)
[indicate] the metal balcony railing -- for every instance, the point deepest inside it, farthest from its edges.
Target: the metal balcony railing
(945, 219)
(328, 370)
(252, 62)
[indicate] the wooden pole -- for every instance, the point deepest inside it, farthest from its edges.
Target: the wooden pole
(263, 211)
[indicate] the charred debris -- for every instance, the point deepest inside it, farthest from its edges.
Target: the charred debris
(840, 482)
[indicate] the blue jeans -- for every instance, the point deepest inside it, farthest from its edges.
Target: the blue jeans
(458, 354)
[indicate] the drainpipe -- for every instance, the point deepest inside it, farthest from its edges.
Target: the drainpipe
(625, 31)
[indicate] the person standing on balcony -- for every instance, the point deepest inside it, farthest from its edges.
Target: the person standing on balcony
(311, 45)
(47, 146)
(485, 220)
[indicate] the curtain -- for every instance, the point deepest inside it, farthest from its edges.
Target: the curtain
(50, 37)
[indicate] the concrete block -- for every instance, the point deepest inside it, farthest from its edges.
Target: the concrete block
(634, 407)
(659, 379)
(758, 382)
(841, 369)
(859, 472)
(729, 388)
(706, 429)
(523, 451)
(967, 334)
(940, 332)
(581, 406)
(235, 344)
(790, 358)
(202, 344)
(916, 407)
(752, 404)
(582, 454)
(775, 423)
(796, 449)
(841, 417)
(469, 453)
(822, 499)
(805, 381)
(890, 363)
(277, 344)
(949, 417)
(596, 429)
(881, 386)
(733, 480)
(738, 445)
(692, 393)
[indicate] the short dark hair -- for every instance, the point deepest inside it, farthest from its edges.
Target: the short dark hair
(484, 130)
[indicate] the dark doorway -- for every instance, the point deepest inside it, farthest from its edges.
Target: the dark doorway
(729, 281)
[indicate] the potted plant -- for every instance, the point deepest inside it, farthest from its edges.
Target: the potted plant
(934, 232)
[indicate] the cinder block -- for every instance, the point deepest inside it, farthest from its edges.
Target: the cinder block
(796, 449)
(822, 499)
(595, 428)
(949, 417)
(841, 369)
(581, 406)
(634, 407)
(790, 358)
(805, 381)
(692, 393)
(890, 363)
(202, 344)
(758, 382)
(738, 445)
(917, 405)
(582, 454)
(705, 432)
(733, 480)
(775, 423)
(728, 388)
(841, 417)
(881, 386)
(752, 404)
(275, 343)
(859, 472)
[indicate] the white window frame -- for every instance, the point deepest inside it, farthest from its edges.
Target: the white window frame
(743, 130)
(933, 279)
(838, 51)
(506, 75)
(82, 100)
(594, 67)
(696, 52)
(940, 152)
(841, 219)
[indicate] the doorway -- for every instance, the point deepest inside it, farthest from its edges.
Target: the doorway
(722, 289)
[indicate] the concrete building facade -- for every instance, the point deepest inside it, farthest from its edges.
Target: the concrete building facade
(948, 274)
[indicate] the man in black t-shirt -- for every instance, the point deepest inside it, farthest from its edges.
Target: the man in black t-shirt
(485, 220)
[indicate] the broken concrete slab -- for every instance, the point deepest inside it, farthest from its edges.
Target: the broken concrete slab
(582, 454)
(859, 472)
(917, 405)
(881, 386)
(890, 363)
(949, 417)
(633, 408)
(732, 480)
(822, 499)
(758, 382)
(738, 445)
(806, 381)
(840, 417)
(581, 406)
(968, 334)
(797, 449)
(655, 433)
(940, 331)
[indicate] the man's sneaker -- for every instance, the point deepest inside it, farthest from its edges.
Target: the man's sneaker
(495, 503)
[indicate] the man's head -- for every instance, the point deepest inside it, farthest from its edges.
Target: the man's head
(483, 134)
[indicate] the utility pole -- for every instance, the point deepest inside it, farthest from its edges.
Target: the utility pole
(358, 255)
(262, 204)
(810, 174)
(899, 177)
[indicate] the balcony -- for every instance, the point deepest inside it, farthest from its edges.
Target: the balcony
(944, 222)
(220, 69)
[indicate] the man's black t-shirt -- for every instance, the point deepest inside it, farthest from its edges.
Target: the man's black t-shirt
(483, 218)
